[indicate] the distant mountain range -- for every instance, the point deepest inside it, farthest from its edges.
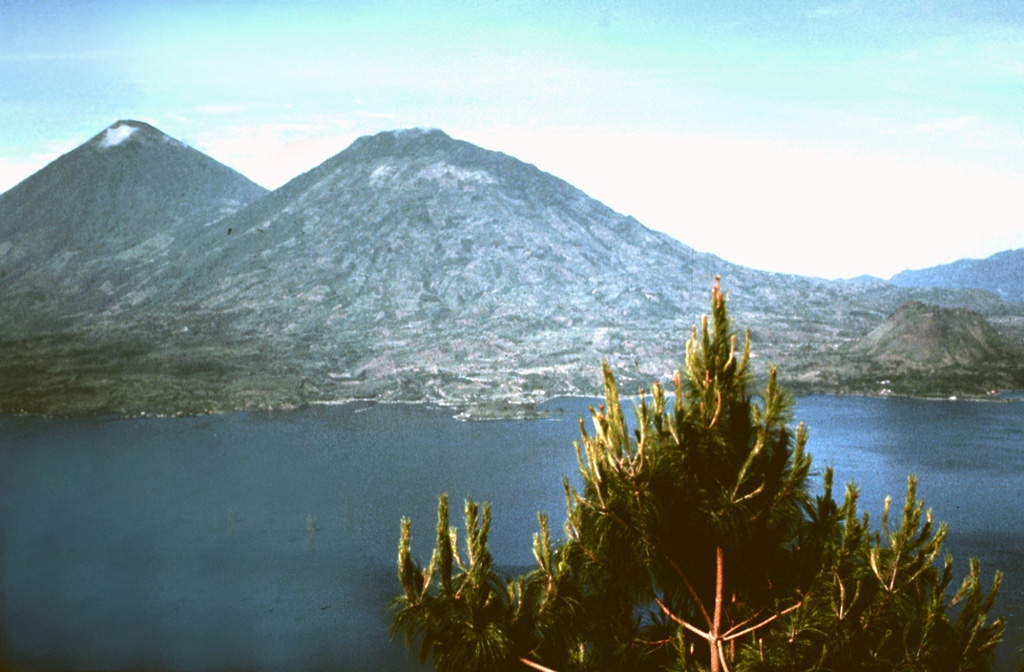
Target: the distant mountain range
(139, 275)
(1002, 274)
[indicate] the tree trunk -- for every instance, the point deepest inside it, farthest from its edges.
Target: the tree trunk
(716, 625)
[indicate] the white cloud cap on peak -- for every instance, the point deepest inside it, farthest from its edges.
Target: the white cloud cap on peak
(117, 134)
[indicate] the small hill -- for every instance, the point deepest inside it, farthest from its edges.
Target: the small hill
(919, 335)
(1001, 273)
(922, 347)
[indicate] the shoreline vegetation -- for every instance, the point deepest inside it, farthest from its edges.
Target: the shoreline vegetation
(500, 410)
(71, 377)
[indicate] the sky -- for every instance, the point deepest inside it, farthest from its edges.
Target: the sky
(822, 138)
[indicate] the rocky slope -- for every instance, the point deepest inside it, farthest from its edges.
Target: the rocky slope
(410, 266)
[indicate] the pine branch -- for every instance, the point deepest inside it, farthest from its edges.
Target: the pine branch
(693, 591)
(730, 635)
(721, 655)
(534, 665)
(680, 621)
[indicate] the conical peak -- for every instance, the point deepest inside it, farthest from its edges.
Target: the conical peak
(130, 131)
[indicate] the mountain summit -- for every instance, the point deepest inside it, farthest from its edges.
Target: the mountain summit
(130, 133)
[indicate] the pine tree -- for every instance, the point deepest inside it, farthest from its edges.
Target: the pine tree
(694, 544)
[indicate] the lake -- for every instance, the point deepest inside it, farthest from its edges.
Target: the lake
(268, 540)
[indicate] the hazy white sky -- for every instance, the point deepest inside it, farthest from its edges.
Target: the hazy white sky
(822, 138)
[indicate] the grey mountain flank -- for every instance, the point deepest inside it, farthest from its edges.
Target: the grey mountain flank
(138, 275)
(109, 226)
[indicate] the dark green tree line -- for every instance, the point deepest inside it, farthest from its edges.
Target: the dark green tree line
(695, 544)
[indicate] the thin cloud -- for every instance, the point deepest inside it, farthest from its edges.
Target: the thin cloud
(53, 56)
(376, 115)
(223, 108)
(949, 124)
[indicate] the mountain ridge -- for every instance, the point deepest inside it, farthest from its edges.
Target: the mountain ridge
(1001, 273)
(411, 266)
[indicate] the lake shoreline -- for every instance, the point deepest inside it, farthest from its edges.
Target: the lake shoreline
(503, 410)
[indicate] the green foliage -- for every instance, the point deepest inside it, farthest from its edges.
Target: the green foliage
(460, 617)
(694, 544)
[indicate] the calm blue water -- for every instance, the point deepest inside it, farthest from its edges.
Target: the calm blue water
(269, 540)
